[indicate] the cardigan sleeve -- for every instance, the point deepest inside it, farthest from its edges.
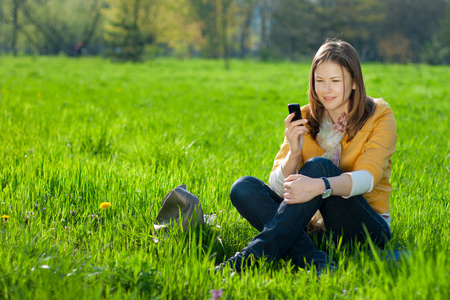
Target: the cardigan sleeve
(380, 146)
(284, 149)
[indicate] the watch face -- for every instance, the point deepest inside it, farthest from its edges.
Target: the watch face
(326, 194)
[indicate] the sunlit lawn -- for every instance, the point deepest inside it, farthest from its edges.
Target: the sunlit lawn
(78, 132)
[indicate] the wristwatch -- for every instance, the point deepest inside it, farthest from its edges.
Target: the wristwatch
(328, 189)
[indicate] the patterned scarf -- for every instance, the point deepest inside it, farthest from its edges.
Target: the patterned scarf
(331, 135)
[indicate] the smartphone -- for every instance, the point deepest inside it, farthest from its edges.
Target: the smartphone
(295, 107)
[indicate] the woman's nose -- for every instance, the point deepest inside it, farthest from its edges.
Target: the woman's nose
(327, 87)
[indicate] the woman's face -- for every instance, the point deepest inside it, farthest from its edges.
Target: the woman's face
(333, 84)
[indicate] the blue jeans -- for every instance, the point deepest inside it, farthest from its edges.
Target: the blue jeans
(283, 226)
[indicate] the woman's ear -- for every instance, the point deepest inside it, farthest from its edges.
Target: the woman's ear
(354, 85)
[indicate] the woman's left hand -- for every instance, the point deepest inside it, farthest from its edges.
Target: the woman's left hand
(300, 188)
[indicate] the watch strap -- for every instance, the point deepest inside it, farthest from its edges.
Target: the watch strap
(327, 183)
(327, 193)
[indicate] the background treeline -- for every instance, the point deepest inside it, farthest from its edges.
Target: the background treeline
(382, 30)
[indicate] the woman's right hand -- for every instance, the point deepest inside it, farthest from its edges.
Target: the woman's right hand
(295, 134)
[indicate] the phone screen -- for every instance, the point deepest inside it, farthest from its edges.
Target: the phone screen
(295, 107)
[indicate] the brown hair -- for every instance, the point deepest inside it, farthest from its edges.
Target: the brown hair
(361, 107)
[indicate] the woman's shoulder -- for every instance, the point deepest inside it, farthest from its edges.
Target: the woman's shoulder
(305, 111)
(381, 107)
(383, 114)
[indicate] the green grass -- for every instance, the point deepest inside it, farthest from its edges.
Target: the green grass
(78, 132)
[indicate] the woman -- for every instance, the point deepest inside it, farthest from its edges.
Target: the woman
(336, 161)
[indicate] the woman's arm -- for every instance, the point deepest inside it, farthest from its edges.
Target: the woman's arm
(289, 154)
(295, 135)
(300, 188)
(362, 182)
(377, 152)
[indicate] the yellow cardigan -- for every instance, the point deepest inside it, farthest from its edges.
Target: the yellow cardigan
(370, 150)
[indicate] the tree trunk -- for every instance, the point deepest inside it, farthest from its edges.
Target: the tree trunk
(225, 4)
(263, 24)
(245, 33)
(15, 13)
(89, 31)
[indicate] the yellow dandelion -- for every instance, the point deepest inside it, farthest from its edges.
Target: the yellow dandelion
(5, 218)
(105, 205)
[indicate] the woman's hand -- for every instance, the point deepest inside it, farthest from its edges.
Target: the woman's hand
(295, 134)
(300, 188)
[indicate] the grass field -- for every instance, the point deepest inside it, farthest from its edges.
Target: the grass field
(78, 132)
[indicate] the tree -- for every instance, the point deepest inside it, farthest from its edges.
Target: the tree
(177, 32)
(444, 34)
(215, 16)
(299, 27)
(10, 14)
(292, 32)
(361, 25)
(128, 28)
(244, 16)
(224, 8)
(395, 48)
(207, 12)
(415, 20)
(433, 52)
(15, 23)
(265, 9)
(52, 26)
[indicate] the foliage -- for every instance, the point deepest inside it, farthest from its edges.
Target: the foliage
(245, 15)
(434, 52)
(79, 132)
(291, 32)
(178, 32)
(214, 16)
(142, 29)
(415, 21)
(53, 26)
(395, 48)
(129, 28)
(444, 33)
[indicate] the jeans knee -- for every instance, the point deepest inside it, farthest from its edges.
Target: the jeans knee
(242, 189)
(319, 161)
(319, 166)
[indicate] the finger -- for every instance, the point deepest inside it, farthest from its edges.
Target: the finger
(299, 122)
(287, 196)
(300, 129)
(288, 119)
(291, 178)
(296, 134)
(289, 201)
(296, 123)
(290, 133)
